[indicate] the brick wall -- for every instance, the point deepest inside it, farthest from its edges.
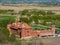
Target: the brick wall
(28, 32)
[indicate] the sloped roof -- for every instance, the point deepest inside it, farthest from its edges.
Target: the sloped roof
(26, 26)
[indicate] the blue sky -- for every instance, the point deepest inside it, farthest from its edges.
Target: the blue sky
(29, 0)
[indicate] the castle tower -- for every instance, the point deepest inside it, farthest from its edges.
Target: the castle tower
(53, 28)
(17, 18)
(53, 25)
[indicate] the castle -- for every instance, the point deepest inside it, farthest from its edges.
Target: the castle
(23, 30)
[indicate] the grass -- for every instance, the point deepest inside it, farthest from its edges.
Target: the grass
(4, 33)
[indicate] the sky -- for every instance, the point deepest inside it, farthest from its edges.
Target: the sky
(29, 0)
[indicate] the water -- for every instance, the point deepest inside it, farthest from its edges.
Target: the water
(14, 1)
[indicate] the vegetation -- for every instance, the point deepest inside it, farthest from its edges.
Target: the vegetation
(33, 16)
(4, 33)
(38, 16)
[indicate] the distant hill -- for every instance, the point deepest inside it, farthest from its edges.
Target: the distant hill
(18, 1)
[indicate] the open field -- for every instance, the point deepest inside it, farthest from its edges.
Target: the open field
(19, 8)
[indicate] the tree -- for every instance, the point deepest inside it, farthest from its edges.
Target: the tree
(42, 12)
(24, 12)
(24, 19)
(50, 13)
(35, 19)
(34, 12)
